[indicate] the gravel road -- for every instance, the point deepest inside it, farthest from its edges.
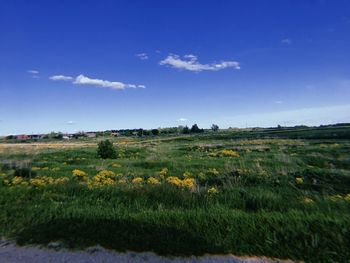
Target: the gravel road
(10, 253)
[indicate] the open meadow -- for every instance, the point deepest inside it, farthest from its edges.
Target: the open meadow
(276, 193)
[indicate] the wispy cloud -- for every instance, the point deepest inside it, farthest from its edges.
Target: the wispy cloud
(71, 122)
(84, 80)
(61, 77)
(190, 63)
(33, 71)
(286, 41)
(182, 119)
(142, 56)
(279, 102)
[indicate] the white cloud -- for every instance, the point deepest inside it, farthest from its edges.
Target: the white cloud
(33, 71)
(190, 63)
(71, 122)
(278, 102)
(182, 119)
(84, 80)
(60, 77)
(286, 41)
(142, 56)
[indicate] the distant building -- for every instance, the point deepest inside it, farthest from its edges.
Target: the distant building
(29, 137)
(35, 136)
(90, 134)
(22, 137)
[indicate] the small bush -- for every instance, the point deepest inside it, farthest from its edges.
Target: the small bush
(24, 172)
(106, 150)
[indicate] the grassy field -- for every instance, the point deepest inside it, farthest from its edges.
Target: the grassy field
(278, 193)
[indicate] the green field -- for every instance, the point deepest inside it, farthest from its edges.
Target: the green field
(281, 193)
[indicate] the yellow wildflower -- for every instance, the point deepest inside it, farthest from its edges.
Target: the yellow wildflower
(137, 180)
(106, 173)
(79, 174)
(108, 181)
(163, 172)
(17, 180)
(105, 177)
(116, 165)
(213, 171)
(122, 181)
(41, 181)
(307, 200)
(174, 180)
(299, 180)
(201, 176)
(212, 191)
(35, 168)
(188, 183)
(263, 173)
(347, 197)
(187, 174)
(335, 198)
(152, 180)
(61, 180)
(228, 153)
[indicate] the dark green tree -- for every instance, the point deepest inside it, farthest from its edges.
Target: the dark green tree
(155, 132)
(185, 130)
(140, 132)
(195, 129)
(215, 127)
(106, 150)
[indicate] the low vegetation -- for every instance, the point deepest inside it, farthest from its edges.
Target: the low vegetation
(279, 193)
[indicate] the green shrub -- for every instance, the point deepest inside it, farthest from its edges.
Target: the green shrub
(24, 172)
(106, 150)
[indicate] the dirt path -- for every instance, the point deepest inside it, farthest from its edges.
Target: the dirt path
(10, 253)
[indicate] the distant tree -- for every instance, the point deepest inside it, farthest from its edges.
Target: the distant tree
(10, 137)
(146, 132)
(215, 127)
(58, 136)
(140, 132)
(185, 130)
(279, 127)
(155, 132)
(106, 150)
(195, 129)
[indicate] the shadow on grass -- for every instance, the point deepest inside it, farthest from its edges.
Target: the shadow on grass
(118, 234)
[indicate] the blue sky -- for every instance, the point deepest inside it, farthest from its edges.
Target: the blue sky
(96, 65)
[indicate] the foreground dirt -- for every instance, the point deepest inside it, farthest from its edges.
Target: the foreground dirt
(10, 253)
